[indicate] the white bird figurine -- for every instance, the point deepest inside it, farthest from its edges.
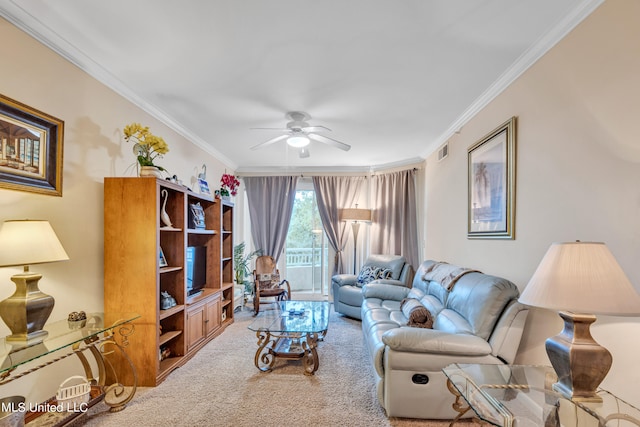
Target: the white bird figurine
(203, 175)
(163, 214)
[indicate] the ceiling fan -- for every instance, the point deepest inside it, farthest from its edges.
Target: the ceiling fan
(298, 134)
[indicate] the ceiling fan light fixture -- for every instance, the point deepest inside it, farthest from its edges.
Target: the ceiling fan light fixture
(298, 141)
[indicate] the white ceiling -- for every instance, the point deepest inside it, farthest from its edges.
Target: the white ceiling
(394, 79)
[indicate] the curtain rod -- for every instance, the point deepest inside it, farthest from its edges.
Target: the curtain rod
(310, 175)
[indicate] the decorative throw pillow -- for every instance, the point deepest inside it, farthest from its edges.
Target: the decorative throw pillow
(269, 281)
(417, 313)
(370, 273)
(366, 275)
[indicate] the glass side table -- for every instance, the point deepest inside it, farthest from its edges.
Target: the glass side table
(95, 335)
(521, 395)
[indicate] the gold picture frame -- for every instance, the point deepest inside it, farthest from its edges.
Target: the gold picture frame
(30, 149)
(491, 184)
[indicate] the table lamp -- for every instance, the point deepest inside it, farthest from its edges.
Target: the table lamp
(25, 242)
(355, 216)
(580, 279)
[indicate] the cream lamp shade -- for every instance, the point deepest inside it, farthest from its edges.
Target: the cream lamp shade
(582, 277)
(356, 214)
(26, 242)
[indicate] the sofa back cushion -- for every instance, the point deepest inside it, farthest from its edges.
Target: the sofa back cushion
(475, 303)
(432, 296)
(395, 263)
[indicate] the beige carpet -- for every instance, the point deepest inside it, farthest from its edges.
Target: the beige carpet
(221, 386)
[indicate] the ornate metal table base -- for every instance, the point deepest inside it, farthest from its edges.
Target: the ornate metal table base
(100, 341)
(458, 406)
(288, 346)
(116, 396)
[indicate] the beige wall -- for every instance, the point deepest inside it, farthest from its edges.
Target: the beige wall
(578, 155)
(578, 169)
(94, 117)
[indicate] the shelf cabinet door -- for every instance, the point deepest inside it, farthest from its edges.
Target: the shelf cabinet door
(212, 316)
(196, 317)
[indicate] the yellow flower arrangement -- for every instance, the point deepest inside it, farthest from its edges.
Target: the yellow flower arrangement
(147, 146)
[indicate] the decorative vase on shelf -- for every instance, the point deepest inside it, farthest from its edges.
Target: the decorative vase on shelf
(150, 171)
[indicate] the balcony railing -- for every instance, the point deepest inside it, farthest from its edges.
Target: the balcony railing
(303, 257)
(304, 268)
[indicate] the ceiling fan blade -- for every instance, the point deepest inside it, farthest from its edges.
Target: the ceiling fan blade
(315, 128)
(304, 152)
(269, 142)
(330, 141)
(280, 129)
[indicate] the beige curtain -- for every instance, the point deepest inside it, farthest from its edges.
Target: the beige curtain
(394, 228)
(332, 194)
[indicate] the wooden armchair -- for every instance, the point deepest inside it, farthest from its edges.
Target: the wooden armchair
(267, 282)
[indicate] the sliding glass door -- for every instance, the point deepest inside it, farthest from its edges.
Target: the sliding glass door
(306, 260)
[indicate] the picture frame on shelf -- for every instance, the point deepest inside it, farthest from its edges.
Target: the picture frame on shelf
(30, 149)
(491, 184)
(162, 260)
(196, 216)
(204, 186)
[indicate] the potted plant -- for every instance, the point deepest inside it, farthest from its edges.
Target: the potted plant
(228, 186)
(147, 147)
(241, 263)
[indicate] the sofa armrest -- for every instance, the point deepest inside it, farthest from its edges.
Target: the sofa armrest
(344, 279)
(384, 291)
(419, 340)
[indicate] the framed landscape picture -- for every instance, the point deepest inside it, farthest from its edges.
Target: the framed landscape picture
(491, 184)
(30, 149)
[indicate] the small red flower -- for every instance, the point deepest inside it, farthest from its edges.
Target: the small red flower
(230, 185)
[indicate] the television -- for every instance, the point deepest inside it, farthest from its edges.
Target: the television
(196, 269)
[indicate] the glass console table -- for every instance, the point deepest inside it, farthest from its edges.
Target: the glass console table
(521, 395)
(97, 335)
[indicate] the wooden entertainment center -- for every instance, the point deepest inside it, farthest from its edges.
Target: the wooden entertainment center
(135, 274)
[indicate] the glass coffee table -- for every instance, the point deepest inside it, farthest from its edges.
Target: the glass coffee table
(522, 395)
(291, 331)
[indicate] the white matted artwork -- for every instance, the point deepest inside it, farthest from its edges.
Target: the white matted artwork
(491, 184)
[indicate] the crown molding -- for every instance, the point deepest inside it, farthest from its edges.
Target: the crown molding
(331, 170)
(18, 16)
(14, 13)
(522, 64)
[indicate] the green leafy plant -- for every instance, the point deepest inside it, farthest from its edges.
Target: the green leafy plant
(241, 262)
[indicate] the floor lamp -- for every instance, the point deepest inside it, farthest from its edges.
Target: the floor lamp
(356, 217)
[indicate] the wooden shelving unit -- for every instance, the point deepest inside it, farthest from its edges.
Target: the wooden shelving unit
(134, 280)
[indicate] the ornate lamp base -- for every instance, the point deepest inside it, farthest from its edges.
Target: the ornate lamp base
(27, 310)
(579, 361)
